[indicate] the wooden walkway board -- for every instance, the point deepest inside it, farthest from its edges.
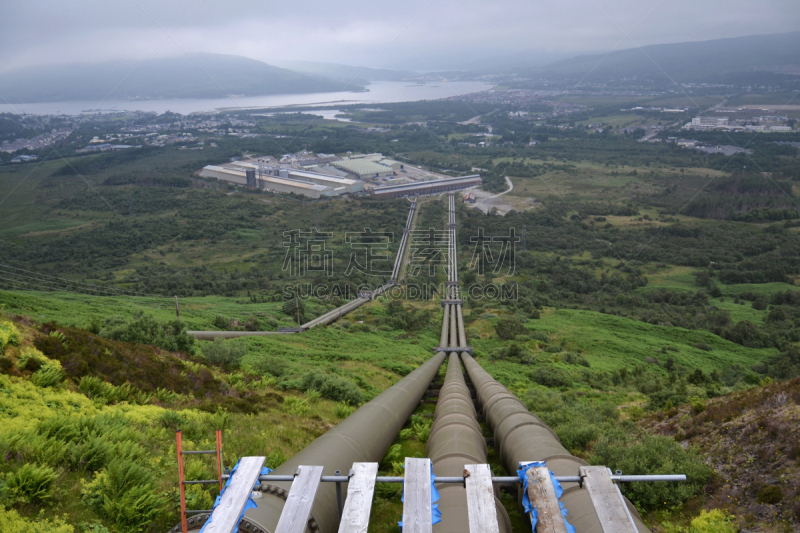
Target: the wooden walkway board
(607, 499)
(361, 487)
(480, 500)
(226, 515)
(417, 496)
(297, 509)
(542, 495)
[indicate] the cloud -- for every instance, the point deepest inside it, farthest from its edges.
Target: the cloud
(420, 34)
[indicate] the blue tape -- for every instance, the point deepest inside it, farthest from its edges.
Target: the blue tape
(249, 504)
(436, 514)
(522, 473)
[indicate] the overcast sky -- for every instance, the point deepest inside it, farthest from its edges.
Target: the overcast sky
(416, 34)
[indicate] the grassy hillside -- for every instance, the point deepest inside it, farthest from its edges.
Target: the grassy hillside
(690, 61)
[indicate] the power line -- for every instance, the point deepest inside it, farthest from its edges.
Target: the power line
(88, 285)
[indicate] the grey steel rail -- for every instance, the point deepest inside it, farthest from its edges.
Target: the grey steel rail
(460, 479)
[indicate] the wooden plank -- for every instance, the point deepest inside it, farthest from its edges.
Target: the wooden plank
(355, 516)
(294, 518)
(542, 495)
(480, 500)
(226, 515)
(607, 499)
(417, 496)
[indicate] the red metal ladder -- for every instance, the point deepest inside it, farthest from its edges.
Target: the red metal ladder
(181, 477)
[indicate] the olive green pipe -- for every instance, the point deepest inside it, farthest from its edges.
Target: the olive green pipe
(456, 440)
(521, 436)
(364, 436)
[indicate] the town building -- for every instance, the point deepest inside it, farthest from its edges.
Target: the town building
(699, 123)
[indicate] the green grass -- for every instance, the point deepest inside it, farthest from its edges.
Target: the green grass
(79, 310)
(610, 342)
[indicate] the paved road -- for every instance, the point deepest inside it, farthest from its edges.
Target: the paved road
(510, 188)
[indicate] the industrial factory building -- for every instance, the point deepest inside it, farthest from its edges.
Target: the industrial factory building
(282, 180)
(428, 187)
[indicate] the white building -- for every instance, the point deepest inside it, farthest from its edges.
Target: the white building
(708, 122)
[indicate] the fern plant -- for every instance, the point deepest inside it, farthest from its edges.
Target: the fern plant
(31, 483)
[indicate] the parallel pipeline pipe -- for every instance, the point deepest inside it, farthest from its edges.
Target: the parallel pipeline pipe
(456, 438)
(364, 436)
(521, 436)
(332, 316)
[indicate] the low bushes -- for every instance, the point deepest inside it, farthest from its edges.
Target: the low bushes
(144, 329)
(551, 376)
(144, 367)
(270, 365)
(46, 372)
(12, 522)
(594, 432)
(507, 329)
(8, 334)
(652, 454)
(222, 352)
(333, 387)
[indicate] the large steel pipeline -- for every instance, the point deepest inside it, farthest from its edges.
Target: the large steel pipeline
(456, 438)
(521, 436)
(364, 436)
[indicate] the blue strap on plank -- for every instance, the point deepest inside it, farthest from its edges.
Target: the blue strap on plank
(436, 514)
(250, 504)
(526, 502)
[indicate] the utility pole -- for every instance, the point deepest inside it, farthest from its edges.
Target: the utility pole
(177, 309)
(523, 238)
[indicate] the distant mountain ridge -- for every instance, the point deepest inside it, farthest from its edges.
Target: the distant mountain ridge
(348, 73)
(196, 76)
(716, 60)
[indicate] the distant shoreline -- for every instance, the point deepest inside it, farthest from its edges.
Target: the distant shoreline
(378, 92)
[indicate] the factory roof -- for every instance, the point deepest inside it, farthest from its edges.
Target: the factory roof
(224, 169)
(326, 177)
(296, 183)
(425, 184)
(361, 167)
